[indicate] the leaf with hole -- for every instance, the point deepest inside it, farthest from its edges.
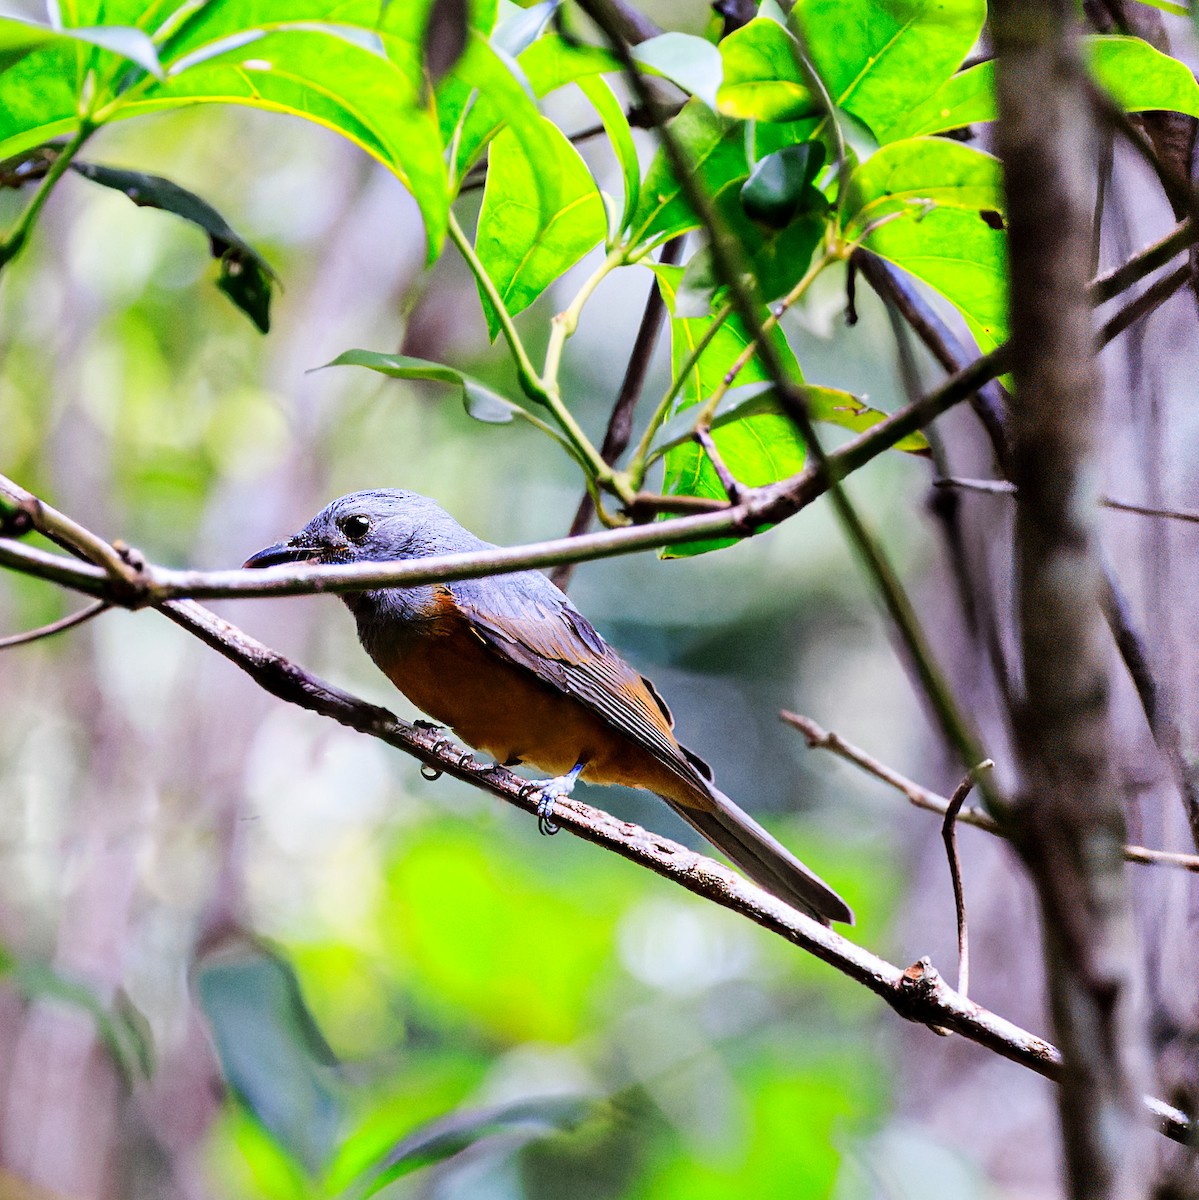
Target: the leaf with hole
(960, 254)
(905, 180)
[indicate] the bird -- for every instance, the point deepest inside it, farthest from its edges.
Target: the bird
(518, 673)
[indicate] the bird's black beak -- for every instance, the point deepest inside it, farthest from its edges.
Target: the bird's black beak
(293, 550)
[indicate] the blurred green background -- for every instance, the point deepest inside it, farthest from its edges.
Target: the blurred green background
(586, 1029)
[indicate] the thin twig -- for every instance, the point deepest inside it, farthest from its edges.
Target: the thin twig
(1003, 487)
(949, 837)
(45, 631)
(819, 738)
(728, 481)
(620, 424)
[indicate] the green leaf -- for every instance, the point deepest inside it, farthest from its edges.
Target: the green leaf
(960, 255)
(540, 215)
(480, 401)
(503, 97)
(19, 38)
(762, 76)
(758, 448)
(611, 112)
(715, 148)
(121, 1026)
(272, 1054)
(333, 82)
(1138, 77)
(450, 1135)
(691, 63)
(506, 89)
(830, 406)
(912, 175)
(37, 99)
(780, 186)
(246, 277)
(881, 58)
(967, 98)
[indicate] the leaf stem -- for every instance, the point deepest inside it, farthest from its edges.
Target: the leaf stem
(15, 242)
(530, 382)
(641, 458)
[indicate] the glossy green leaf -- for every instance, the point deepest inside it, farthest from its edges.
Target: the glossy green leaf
(762, 76)
(691, 63)
(780, 186)
(37, 99)
(960, 255)
(272, 1053)
(20, 38)
(830, 406)
(611, 112)
(915, 175)
(507, 89)
(540, 215)
(497, 93)
(450, 1135)
(480, 401)
(333, 82)
(881, 58)
(758, 448)
(715, 147)
(246, 277)
(1138, 77)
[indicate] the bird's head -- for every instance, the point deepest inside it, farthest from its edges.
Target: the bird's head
(376, 526)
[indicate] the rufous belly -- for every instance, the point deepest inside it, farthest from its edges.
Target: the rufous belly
(505, 711)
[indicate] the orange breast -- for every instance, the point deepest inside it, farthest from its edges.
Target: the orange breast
(505, 711)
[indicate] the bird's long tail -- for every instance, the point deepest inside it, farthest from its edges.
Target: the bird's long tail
(763, 858)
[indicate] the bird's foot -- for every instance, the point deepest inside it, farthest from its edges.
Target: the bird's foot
(431, 726)
(552, 790)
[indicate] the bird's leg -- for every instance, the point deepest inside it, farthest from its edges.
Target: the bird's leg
(555, 789)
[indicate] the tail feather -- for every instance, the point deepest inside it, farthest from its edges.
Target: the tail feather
(762, 857)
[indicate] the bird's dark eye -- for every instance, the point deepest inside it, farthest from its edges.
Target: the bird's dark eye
(355, 527)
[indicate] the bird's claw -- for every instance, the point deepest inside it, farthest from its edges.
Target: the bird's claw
(545, 810)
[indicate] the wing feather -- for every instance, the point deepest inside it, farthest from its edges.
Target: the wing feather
(536, 627)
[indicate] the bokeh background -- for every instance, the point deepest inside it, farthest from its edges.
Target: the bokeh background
(248, 951)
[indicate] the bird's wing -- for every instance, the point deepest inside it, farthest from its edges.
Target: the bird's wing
(528, 621)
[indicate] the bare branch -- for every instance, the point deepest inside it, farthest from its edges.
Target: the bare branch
(45, 631)
(819, 738)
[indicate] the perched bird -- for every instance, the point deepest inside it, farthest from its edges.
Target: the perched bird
(517, 672)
